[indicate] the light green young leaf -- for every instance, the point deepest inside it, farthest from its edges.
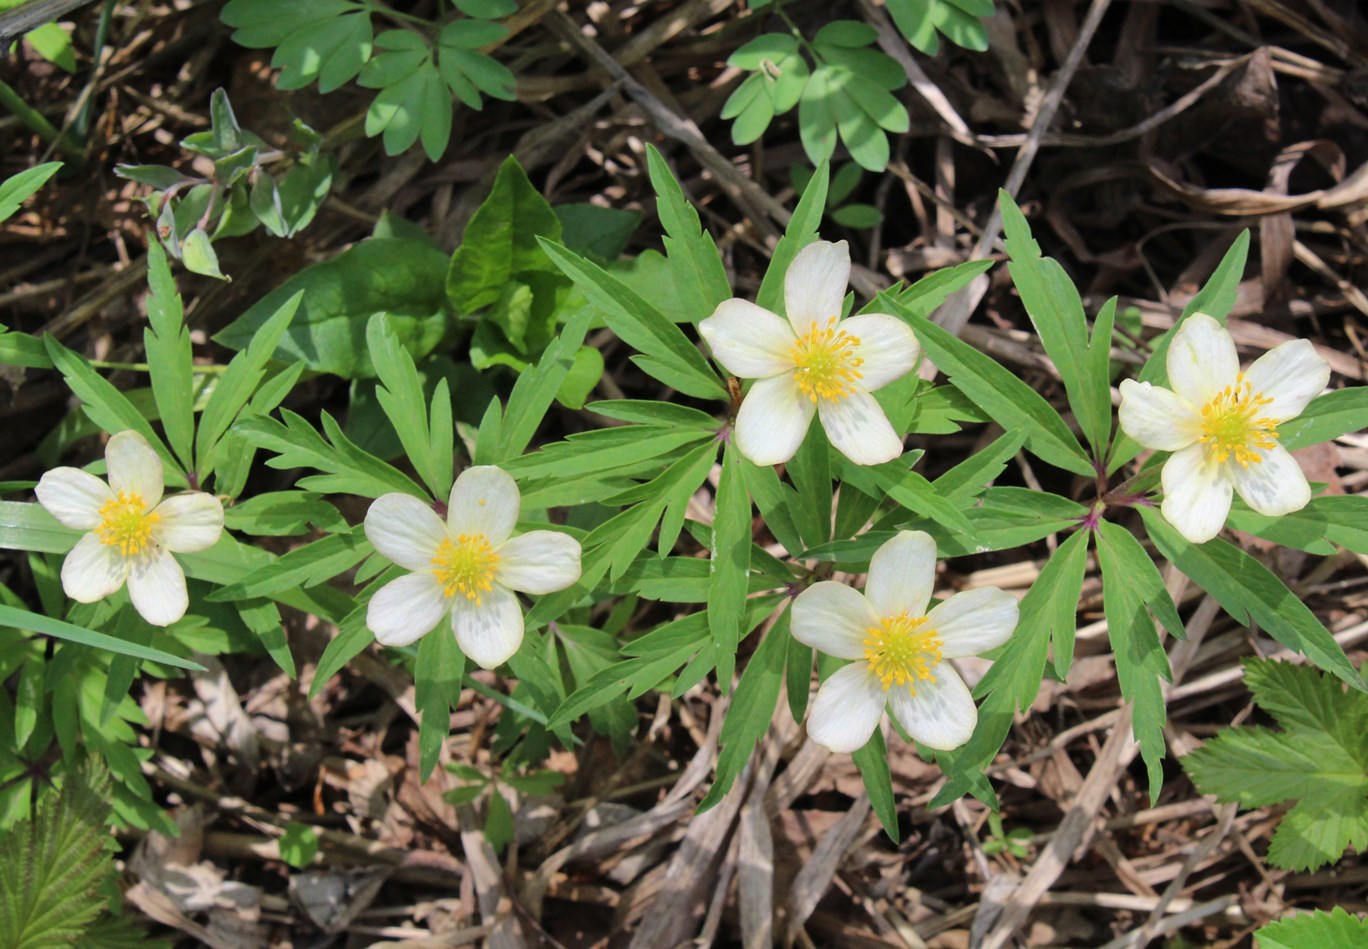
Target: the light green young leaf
(1248, 590)
(1140, 659)
(1001, 395)
(1319, 759)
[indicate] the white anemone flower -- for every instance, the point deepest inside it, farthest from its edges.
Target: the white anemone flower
(131, 529)
(815, 363)
(899, 649)
(467, 566)
(1222, 425)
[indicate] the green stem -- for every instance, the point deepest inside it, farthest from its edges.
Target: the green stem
(797, 33)
(39, 123)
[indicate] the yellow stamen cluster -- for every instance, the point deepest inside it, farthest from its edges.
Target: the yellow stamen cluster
(900, 651)
(125, 523)
(825, 364)
(1232, 425)
(466, 567)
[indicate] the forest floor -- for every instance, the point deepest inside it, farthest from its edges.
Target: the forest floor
(1178, 124)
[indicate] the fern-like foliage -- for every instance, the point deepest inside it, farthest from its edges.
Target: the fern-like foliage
(1319, 760)
(52, 865)
(1336, 929)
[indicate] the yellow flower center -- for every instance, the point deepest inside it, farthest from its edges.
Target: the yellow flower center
(1232, 425)
(825, 364)
(124, 523)
(466, 567)
(900, 651)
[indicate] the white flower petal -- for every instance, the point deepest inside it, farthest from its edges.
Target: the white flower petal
(858, 428)
(484, 500)
(539, 562)
(1197, 494)
(815, 284)
(1158, 418)
(974, 621)
(888, 347)
(1291, 375)
(92, 570)
(773, 420)
(749, 341)
(833, 618)
(405, 530)
(134, 468)
(941, 714)
(902, 574)
(404, 610)
(491, 630)
(1273, 487)
(1201, 359)
(847, 709)
(73, 496)
(189, 522)
(156, 585)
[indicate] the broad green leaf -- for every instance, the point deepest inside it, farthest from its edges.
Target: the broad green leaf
(500, 242)
(400, 277)
(751, 710)
(1001, 395)
(1140, 659)
(596, 232)
(700, 280)
(729, 564)
(1249, 591)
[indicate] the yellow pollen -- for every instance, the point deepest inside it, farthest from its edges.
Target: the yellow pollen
(825, 364)
(900, 651)
(466, 567)
(1233, 426)
(125, 524)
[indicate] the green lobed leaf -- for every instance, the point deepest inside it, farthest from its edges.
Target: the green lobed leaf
(306, 566)
(800, 232)
(696, 271)
(751, 710)
(872, 760)
(16, 189)
(1049, 613)
(1249, 591)
(1001, 395)
(1316, 528)
(537, 387)
(1329, 416)
(1336, 929)
(1140, 659)
(167, 342)
(729, 564)
(400, 394)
